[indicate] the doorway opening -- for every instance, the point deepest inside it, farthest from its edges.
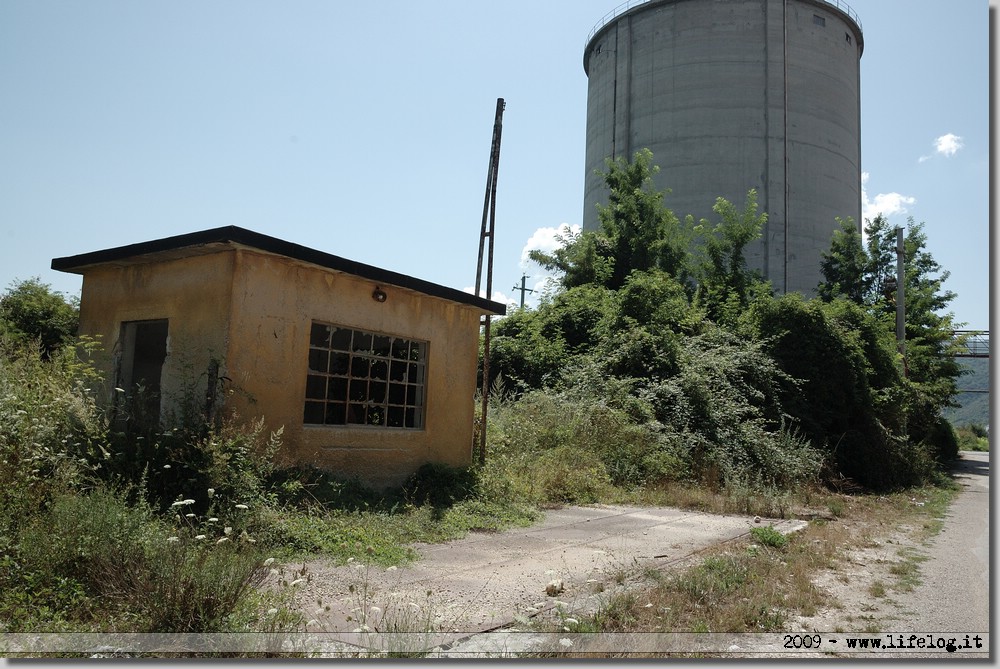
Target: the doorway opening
(144, 350)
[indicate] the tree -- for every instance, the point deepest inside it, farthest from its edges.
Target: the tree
(638, 233)
(30, 311)
(930, 346)
(725, 284)
(643, 233)
(845, 266)
(584, 258)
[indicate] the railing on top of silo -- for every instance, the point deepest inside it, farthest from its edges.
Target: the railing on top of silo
(631, 4)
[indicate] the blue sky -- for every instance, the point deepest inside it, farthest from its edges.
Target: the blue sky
(363, 129)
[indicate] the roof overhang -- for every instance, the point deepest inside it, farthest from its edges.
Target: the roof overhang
(219, 239)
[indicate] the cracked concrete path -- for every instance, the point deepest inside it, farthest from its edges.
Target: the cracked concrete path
(489, 580)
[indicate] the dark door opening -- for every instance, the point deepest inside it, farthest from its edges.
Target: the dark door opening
(144, 349)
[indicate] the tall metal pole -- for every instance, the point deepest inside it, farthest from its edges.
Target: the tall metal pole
(489, 220)
(900, 297)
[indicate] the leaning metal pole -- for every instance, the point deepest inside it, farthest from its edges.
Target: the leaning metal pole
(489, 220)
(900, 297)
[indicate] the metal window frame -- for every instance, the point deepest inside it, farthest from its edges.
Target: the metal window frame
(368, 413)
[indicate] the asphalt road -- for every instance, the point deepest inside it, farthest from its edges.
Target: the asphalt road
(953, 598)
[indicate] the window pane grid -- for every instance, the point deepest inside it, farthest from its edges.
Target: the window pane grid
(364, 378)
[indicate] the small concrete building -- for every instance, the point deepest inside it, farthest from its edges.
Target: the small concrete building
(370, 373)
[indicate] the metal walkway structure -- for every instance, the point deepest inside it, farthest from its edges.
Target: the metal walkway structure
(977, 343)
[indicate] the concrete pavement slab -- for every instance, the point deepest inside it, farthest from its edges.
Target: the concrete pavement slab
(486, 581)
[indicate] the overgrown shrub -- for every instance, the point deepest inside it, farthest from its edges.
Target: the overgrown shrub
(51, 429)
(848, 398)
(439, 484)
(235, 460)
(973, 438)
(147, 575)
(568, 475)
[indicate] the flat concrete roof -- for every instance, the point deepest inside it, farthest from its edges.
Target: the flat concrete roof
(215, 239)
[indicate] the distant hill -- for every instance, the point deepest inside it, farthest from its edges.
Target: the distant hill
(975, 407)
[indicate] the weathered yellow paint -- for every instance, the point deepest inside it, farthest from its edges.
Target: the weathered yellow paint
(253, 311)
(191, 293)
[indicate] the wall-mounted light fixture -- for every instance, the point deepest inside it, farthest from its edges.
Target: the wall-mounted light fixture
(379, 295)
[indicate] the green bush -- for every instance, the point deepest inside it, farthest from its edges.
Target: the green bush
(768, 536)
(568, 475)
(149, 576)
(973, 438)
(51, 430)
(848, 398)
(440, 485)
(34, 315)
(235, 460)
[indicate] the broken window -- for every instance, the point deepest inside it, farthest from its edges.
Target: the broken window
(364, 378)
(143, 351)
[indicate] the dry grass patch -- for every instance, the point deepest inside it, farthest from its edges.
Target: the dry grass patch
(749, 587)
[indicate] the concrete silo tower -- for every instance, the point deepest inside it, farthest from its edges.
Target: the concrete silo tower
(731, 95)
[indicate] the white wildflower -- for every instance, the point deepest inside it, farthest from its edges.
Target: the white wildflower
(242, 506)
(183, 502)
(211, 493)
(228, 531)
(166, 466)
(119, 390)
(200, 537)
(271, 612)
(172, 539)
(268, 562)
(213, 520)
(189, 515)
(223, 539)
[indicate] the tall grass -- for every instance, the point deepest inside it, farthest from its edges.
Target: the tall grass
(85, 543)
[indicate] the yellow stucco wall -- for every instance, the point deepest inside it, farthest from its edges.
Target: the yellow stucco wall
(192, 293)
(275, 301)
(253, 311)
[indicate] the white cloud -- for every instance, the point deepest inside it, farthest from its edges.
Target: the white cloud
(948, 145)
(887, 204)
(498, 296)
(538, 280)
(544, 239)
(945, 145)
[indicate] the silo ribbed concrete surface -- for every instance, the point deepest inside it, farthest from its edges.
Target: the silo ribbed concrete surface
(731, 95)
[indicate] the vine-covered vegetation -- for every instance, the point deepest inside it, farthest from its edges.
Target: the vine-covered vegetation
(658, 320)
